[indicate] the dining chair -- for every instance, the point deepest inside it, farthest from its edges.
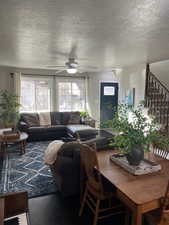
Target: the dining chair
(95, 191)
(160, 216)
(159, 151)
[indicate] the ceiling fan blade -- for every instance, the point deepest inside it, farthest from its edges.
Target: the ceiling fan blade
(89, 66)
(54, 66)
(59, 71)
(73, 51)
(59, 53)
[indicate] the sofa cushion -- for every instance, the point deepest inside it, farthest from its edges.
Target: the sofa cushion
(65, 117)
(71, 118)
(74, 118)
(45, 129)
(32, 119)
(56, 118)
(82, 130)
(44, 118)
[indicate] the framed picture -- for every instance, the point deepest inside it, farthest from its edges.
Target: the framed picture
(130, 97)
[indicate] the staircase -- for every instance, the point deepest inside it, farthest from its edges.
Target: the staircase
(157, 99)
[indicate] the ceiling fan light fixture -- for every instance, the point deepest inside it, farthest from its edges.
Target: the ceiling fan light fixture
(71, 70)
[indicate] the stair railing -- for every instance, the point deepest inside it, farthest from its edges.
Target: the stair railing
(157, 98)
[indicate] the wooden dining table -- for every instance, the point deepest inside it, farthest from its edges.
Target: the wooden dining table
(141, 193)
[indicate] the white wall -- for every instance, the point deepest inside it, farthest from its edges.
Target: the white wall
(133, 77)
(128, 78)
(93, 99)
(6, 82)
(161, 71)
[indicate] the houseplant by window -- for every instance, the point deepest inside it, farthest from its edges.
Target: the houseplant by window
(84, 115)
(9, 109)
(136, 132)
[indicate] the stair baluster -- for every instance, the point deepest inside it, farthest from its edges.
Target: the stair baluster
(157, 98)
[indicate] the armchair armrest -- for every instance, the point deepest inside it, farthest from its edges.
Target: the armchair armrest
(22, 126)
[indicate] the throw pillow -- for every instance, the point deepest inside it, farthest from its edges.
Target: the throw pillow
(74, 118)
(45, 119)
(32, 119)
(56, 118)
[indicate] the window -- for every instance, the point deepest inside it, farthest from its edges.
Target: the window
(35, 94)
(71, 94)
(43, 94)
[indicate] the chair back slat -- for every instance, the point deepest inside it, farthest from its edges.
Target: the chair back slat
(159, 151)
(91, 167)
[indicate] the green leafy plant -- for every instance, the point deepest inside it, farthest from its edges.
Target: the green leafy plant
(9, 108)
(84, 114)
(135, 129)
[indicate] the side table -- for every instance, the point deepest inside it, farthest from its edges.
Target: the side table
(21, 141)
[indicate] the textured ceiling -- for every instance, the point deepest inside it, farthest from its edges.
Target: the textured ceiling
(102, 33)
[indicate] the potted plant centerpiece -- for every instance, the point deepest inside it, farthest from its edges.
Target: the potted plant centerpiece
(136, 132)
(9, 109)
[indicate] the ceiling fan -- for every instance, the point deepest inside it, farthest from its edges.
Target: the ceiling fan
(72, 66)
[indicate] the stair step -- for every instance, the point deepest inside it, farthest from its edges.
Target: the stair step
(160, 107)
(159, 110)
(157, 115)
(151, 85)
(160, 103)
(155, 95)
(152, 89)
(157, 100)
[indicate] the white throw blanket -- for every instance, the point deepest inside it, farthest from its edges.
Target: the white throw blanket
(45, 119)
(51, 151)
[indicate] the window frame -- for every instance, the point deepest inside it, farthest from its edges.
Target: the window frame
(54, 90)
(71, 80)
(39, 78)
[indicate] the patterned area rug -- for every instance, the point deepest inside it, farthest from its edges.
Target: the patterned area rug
(27, 172)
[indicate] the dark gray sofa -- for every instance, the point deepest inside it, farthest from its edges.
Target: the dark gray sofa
(63, 125)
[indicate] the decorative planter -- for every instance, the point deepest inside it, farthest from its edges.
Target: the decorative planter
(135, 156)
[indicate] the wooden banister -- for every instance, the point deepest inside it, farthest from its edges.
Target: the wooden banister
(159, 82)
(157, 98)
(146, 84)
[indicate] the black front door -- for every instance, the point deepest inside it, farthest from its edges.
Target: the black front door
(108, 101)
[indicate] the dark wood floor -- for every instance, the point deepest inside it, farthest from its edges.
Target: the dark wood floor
(55, 210)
